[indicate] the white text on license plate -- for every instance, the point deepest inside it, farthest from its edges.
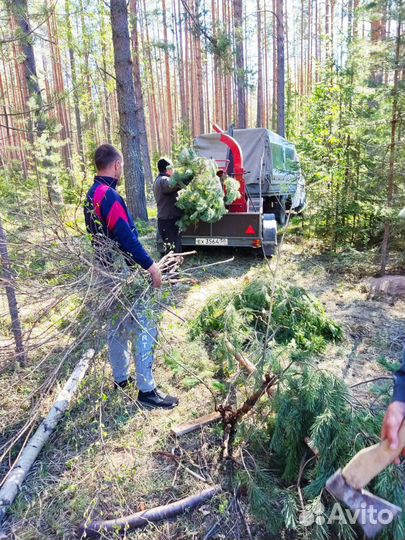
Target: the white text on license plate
(211, 241)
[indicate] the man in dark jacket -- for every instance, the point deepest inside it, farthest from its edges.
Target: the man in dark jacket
(167, 212)
(111, 225)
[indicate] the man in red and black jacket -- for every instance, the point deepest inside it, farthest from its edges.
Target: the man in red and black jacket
(107, 217)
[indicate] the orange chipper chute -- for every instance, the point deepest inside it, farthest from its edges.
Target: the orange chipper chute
(240, 205)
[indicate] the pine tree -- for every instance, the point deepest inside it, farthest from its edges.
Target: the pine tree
(134, 176)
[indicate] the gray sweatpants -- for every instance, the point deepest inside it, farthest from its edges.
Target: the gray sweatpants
(139, 330)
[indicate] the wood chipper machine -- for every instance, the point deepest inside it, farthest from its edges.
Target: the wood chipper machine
(271, 185)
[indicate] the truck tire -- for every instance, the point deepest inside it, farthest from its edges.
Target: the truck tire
(276, 205)
(269, 240)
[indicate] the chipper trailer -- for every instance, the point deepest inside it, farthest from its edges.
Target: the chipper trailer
(271, 185)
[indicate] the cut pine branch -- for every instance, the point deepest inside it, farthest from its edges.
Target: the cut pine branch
(96, 529)
(18, 473)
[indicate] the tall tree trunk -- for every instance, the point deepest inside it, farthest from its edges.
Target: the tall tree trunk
(376, 37)
(146, 46)
(140, 107)
(355, 18)
(59, 89)
(11, 297)
(275, 74)
(85, 74)
(167, 73)
(394, 125)
(266, 72)
(327, 33)
(240, 64)
(103, 39)
(302, 66)
(20, 11)
(259, 108)
(199, 75)
(180, 64)
(75, 89)
(280, 68)
(134, 177)
(309, 55)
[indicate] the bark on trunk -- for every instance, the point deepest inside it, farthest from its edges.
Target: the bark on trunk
(75, 90)
(11, 298)
(20, 11)
(259, 109)
(96, 529)
(394, 125)
(107, 111)
(167, 74)
(134, 176)
(140, 107)
(240, 64)
(280, 68)
(199, 76)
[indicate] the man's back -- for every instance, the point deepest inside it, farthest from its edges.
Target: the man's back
(166, 198)
(107, 216)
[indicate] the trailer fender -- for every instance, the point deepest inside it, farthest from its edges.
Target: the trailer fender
(269, 241)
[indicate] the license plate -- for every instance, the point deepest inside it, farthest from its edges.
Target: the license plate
(211, 241)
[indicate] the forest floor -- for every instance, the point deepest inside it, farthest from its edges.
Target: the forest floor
(109, 458)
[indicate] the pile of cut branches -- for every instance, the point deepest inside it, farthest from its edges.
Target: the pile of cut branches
(297, 423)
(312, 426)
(240, 317)
(202, 197)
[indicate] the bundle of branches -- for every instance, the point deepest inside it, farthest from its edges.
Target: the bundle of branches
(312, 426)
(289, 441)
(66, 300)
(202, 197)
(240, 317)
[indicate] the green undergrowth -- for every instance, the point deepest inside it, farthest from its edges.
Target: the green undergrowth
(289, 316)
(312, 409)
(311, 426)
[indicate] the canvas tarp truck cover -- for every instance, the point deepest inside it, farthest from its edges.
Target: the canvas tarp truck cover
(267, 157)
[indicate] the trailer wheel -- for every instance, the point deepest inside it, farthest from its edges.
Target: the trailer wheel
(269, 228)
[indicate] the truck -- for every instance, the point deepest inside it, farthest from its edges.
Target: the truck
(271, 186)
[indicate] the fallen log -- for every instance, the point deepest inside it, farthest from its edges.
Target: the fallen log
(18, 473)
(187, 427)
(97, 528)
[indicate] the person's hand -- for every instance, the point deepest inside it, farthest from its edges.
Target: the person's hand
(393, 419)
(156, 275)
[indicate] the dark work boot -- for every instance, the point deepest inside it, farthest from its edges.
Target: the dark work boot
(155, 399)
(124, 384)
